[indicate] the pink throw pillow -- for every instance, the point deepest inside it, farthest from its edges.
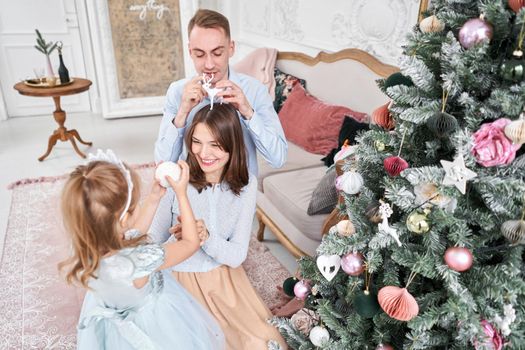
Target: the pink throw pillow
(311, 123)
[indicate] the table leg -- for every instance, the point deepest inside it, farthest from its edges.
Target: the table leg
(72, 139)
(75, 133)
(51, 143)
(62, 133)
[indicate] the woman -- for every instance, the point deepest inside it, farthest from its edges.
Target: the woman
(222, 195)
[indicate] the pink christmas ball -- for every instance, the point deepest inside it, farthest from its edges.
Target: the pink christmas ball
(353, 264)
(475, 31)
(458, 258)
(384, 347)
(302, 289)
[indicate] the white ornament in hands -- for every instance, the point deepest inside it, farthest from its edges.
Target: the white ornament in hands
(350, 182)
(329, 265)
(167, 169)
(206, 85)
(319, 335)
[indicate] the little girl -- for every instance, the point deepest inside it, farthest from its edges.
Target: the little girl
(130, 303)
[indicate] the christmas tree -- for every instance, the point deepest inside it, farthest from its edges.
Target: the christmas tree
(432, 256)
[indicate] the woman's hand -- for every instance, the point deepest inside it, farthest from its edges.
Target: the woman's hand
(201, 230)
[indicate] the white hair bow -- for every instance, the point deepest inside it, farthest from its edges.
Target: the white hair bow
(110, 157)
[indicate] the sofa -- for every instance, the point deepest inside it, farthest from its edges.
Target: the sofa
(345, 79)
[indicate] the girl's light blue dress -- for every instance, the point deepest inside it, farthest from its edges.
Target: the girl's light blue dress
(160, 315)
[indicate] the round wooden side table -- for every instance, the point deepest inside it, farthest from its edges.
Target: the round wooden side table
(77, 86)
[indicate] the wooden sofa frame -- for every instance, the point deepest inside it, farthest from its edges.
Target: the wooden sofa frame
(374, 65)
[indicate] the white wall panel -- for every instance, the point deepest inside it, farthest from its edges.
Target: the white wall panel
(376, 26)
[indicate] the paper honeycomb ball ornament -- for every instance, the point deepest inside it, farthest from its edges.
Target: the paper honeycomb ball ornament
(417, 222)
(350, 182)
(514, 231)
(394, 165)
(475, 31)
(458, 258)
(366, 304)
(516, 5)
(431, 24)
(398, 303)
(515, 131)
(382, 117)
(353, 263)
(288, 285)
(442, 124)
(302, 289)
(372, 213)
(398, 79)
(345, 228)
(167, 169)
(319, 336)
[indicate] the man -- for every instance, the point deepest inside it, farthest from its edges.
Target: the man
(210, 48)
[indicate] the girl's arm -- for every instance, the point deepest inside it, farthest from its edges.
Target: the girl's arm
(159, 229)
(177, 252)
(149, 207)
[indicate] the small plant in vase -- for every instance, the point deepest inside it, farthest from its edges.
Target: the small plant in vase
(46, 48)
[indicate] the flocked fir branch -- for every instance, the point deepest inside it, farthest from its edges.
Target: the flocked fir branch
(457, 306)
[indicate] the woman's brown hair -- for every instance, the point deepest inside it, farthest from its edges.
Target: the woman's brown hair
(225, 126)
(93, 199)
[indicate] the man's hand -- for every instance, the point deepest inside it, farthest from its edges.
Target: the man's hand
(176, 230)
(234, 95)
(192, 95)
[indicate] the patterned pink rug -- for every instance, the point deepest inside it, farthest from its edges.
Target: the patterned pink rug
(37, 308)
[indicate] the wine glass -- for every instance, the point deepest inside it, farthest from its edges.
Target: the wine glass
(40, 74)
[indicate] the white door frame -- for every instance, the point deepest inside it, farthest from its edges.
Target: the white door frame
(87, 51)
(3, 111)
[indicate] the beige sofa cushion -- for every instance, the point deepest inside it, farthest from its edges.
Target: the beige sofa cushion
(297, 158)
(290, 193)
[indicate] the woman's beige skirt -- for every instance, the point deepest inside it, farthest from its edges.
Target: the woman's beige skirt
(232, 300)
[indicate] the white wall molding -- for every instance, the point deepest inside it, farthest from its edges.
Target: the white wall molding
(310, 26)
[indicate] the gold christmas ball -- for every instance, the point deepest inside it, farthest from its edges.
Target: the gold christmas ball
(380, 145)
(418, 223)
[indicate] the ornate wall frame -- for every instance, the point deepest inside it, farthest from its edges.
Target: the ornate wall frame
(112, 104)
